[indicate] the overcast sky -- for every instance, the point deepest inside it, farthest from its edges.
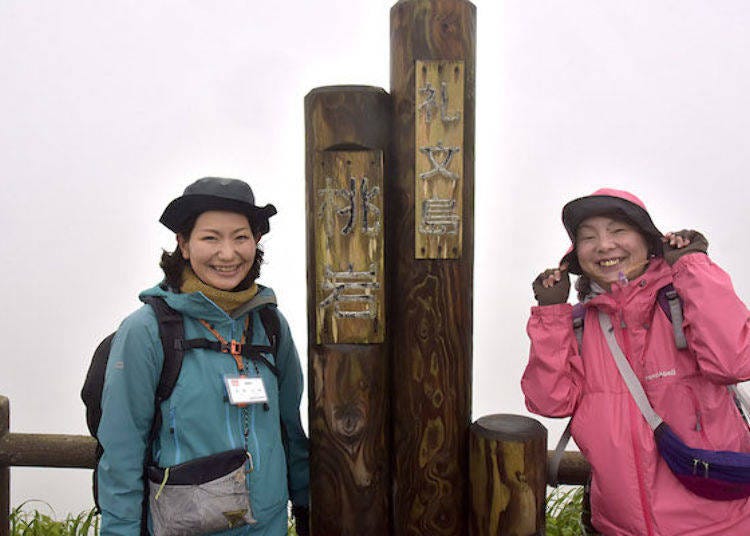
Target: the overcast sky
(109, 109)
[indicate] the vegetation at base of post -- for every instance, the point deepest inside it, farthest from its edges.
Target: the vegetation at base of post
(25, 521)
(31, 522)
(564, 507)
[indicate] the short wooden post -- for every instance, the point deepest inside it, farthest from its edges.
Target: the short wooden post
(508, 473)
(4, 470)
(430, 244)
(346, 134)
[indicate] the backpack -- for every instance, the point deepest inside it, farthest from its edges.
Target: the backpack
(671, 304)
(172, 335)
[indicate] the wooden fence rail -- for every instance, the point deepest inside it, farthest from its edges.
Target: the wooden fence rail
(77, 451)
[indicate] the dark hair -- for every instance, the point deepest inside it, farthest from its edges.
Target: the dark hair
(173, 264)
(583, 286)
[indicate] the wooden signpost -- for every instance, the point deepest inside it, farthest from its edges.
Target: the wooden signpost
(430, 248)
(346, 135)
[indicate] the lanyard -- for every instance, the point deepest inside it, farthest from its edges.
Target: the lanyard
(232, 347)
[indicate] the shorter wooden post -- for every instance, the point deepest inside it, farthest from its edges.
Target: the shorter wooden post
(346, 136)
(4, 470)
(507, 472)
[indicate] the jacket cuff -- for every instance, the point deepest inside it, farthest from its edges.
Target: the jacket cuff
(552, 311)
(687, 261)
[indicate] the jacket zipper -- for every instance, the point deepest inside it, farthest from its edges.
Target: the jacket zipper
(635, 423)
(175, 437)
(247, 414)
(698, 414)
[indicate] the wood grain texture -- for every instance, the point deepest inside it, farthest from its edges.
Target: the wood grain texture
(430, 303)
(348, 410)
(349, 464)
(48, 450)
(348, 236)
(507, 468)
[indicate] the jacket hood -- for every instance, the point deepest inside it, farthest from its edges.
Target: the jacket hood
(197, 305)
(608, 201)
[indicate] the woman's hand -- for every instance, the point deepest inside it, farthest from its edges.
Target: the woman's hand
(552, 286)
(683, 242)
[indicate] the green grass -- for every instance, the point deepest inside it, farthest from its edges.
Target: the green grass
(31, 522)
(563, 518)
(25, 520)
(564, 506)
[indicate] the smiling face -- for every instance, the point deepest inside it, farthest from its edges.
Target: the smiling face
(608, 247)
(221, 248)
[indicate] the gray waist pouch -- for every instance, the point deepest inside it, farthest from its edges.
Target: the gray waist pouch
(201, 496)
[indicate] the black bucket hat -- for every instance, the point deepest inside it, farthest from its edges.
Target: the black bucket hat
(213, 193)
(608, 201)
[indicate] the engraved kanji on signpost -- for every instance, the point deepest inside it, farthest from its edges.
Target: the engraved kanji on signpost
(430, 103)
(349, 294)
(348, 237)
(440, 167)
(355, 206)
(438, 163)
(439, 217)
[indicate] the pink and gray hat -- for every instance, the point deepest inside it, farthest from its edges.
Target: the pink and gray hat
(610, 202)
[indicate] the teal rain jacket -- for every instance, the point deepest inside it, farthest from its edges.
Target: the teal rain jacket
(197, 419)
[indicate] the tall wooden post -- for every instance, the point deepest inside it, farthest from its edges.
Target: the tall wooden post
(346, 135)
(4, 470)
(430, 244)
(508, 471)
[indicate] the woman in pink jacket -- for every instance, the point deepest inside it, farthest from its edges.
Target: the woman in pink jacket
(624, 261)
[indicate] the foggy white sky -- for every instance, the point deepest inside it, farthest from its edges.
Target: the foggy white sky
(109, 109)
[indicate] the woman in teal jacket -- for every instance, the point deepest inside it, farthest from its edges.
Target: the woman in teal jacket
(221, 401)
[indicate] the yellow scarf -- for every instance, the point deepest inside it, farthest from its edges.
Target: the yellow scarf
(226, 299)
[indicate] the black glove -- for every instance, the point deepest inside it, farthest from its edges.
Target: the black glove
(698, 244)
(301, 516)
(557, 293)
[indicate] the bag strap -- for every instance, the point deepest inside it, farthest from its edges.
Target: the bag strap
(670, 303)
(553, 467)
(626, 371)
(270, 320)
(741, 401)
(271, 325)
(171, 333)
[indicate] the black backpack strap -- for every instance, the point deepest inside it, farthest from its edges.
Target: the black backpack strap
(272, 326)
(172, 334)
(270, 320)
(190, 344)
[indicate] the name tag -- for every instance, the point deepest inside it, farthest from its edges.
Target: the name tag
(243, 390)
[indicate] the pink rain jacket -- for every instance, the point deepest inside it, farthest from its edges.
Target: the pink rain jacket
(633, 492)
